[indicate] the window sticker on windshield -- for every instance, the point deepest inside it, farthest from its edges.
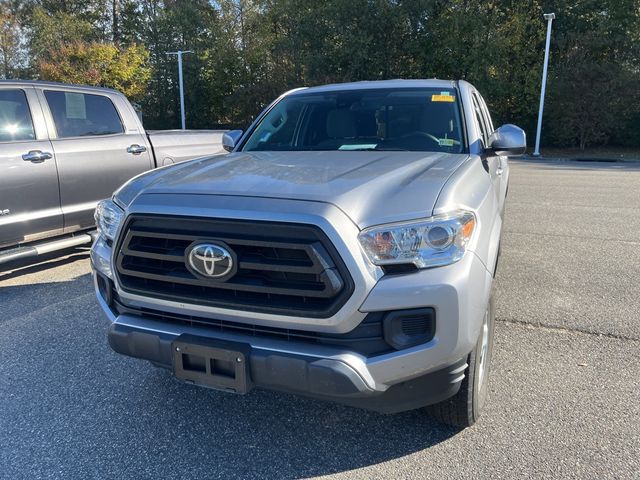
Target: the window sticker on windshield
(75, 106)
(443, 97)
(445, 142)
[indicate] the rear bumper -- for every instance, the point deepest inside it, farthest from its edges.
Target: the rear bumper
(328, 378)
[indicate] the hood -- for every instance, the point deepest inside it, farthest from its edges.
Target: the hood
(370, 187)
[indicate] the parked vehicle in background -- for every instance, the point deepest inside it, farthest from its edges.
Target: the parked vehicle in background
(63, 148)
(345, 250)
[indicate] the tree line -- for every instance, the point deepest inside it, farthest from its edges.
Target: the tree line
(246, 52)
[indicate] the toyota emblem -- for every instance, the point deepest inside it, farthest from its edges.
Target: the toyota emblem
(210, 260)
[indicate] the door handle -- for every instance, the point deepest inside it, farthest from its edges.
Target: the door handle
(499, 171)
(136, 149)
(36, 156)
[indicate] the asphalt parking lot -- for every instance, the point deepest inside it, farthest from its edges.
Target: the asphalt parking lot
(565, 399)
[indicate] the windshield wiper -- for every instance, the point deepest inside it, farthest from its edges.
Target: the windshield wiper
(378, 149)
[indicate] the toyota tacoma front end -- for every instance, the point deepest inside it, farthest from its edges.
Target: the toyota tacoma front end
(345, 249)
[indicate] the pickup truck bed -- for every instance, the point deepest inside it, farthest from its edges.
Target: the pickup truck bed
(173, 146)
(63, 148)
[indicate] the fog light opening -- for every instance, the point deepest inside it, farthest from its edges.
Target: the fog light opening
(408, 328)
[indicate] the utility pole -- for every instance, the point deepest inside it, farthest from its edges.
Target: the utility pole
(549, 17)
(114, 24)
(179, 53)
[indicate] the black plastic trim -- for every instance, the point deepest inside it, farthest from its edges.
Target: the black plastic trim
(399, 268)
(322, 379)
(367, 338)
(398, 333)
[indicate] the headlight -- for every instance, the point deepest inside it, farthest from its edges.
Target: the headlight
(432, 242)
(108, 216)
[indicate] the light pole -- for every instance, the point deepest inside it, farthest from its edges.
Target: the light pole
(549, 18)
(179, 53)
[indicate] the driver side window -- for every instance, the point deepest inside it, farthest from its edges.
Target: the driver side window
(485, 113)
(481, 122)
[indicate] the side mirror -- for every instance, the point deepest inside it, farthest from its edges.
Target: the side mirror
(230, 139)
(508, 140)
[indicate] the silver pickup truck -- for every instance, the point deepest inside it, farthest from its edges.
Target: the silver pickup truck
(63, 148)
(344, 250)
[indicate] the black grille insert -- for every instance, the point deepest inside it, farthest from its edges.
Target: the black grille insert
(282, 268)
(367, 338)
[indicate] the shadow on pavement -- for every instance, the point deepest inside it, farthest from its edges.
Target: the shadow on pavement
(107, 413)
(281, 436)
(43, 262)
(18, 300)
(566, 164)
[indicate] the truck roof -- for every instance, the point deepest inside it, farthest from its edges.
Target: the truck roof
(44, 83)
(375, 84)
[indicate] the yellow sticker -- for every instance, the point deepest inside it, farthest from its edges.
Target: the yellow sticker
(443, 98)
(445, 142)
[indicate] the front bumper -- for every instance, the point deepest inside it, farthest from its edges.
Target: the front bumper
(326, 378)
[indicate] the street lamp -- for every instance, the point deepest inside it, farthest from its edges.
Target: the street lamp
(549, 17)
(179, 53)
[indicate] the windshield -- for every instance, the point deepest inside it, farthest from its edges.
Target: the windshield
(423, 119)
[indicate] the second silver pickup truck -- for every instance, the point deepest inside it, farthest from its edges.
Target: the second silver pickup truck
(63, 148)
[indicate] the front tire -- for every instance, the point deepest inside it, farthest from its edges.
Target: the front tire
(464, 408)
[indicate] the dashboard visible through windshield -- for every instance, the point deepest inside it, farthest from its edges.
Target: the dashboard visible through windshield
(415, 119)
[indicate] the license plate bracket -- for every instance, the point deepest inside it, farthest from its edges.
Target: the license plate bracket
(212, 363)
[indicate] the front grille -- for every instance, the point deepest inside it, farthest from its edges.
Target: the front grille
(367, 338)
(283, 268)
